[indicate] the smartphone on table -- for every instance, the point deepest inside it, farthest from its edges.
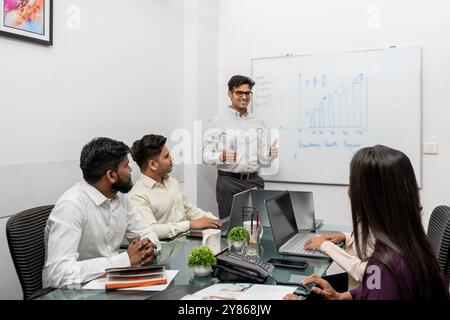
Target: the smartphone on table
(298, 264)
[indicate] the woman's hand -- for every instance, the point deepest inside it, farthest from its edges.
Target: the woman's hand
(314, 243)
(323, 288)
(334, 237)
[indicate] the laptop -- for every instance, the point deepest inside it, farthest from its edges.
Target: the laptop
(303, 206)
(287, 238)
(242, 199)
(258, 201)
(302, 203)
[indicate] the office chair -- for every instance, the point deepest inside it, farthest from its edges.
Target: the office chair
(439, 234)
(25, 234)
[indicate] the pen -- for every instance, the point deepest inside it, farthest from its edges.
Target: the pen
(257, 219)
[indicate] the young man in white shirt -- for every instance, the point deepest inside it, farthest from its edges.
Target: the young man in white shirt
(160, 197)
(89, 222)
(237, 143)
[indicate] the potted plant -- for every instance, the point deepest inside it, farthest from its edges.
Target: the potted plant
(201, 259)
(237, 238)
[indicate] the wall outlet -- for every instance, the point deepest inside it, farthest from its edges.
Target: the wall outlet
(430, 148)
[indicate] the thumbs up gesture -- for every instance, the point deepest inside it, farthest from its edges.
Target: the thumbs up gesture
(273, 152)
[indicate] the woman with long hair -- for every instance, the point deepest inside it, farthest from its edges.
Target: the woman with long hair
(385, 202)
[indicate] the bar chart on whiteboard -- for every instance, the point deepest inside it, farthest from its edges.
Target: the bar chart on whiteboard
(325, 103)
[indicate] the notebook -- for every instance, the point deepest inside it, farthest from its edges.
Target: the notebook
(118, 278)
(287, 238)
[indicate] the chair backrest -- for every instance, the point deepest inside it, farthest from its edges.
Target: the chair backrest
(439, 234)
(25, 234)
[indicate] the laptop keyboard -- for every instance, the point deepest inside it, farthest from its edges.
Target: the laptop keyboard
(297, 245)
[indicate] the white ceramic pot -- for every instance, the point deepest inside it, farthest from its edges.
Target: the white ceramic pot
(237, 247)
(202, 271)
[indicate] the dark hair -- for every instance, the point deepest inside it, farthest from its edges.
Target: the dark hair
(146, 148)
(238, 80)
(99, 156)
(385, 201)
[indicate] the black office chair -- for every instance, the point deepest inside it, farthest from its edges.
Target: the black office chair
(25, 234)
(439, 234)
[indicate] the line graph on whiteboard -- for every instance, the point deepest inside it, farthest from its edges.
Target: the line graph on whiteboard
(328, 104)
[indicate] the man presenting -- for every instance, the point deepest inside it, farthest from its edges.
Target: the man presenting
(236, 142)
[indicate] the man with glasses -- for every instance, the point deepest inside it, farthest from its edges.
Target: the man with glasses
(237, 143)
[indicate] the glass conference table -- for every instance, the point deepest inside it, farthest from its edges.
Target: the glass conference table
(174, 256)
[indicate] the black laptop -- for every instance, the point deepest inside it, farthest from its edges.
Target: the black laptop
(242, 199)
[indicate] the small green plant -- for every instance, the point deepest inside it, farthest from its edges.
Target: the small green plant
(201, 256)
(238, 234)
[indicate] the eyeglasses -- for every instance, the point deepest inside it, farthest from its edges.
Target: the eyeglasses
(248, 94)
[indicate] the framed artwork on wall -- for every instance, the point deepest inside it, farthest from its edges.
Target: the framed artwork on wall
(29, 20)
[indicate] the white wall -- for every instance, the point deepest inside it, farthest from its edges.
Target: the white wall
(116, 76)
(208, 95)
(263, 28)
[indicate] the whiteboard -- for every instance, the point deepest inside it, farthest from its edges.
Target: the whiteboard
(325, 107)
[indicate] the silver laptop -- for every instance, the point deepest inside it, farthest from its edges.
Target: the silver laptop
(242, 199)
(302, 203)
(287, 238)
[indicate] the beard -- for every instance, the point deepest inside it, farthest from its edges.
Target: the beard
(122, 186)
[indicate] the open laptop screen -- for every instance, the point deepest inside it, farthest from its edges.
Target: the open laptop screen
(240, 200)
(282, 218)
(303, 205)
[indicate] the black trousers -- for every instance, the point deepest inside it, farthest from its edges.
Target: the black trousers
(227, 187)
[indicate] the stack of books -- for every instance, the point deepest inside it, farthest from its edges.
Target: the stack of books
(118, 278)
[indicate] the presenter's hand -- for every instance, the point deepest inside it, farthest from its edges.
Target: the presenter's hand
(204, 222)
(228, 156)
(273, 152)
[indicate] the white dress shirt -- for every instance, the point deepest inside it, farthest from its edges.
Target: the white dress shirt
(164, 206)
(84, 232)
(247, 135)
(348, 258)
